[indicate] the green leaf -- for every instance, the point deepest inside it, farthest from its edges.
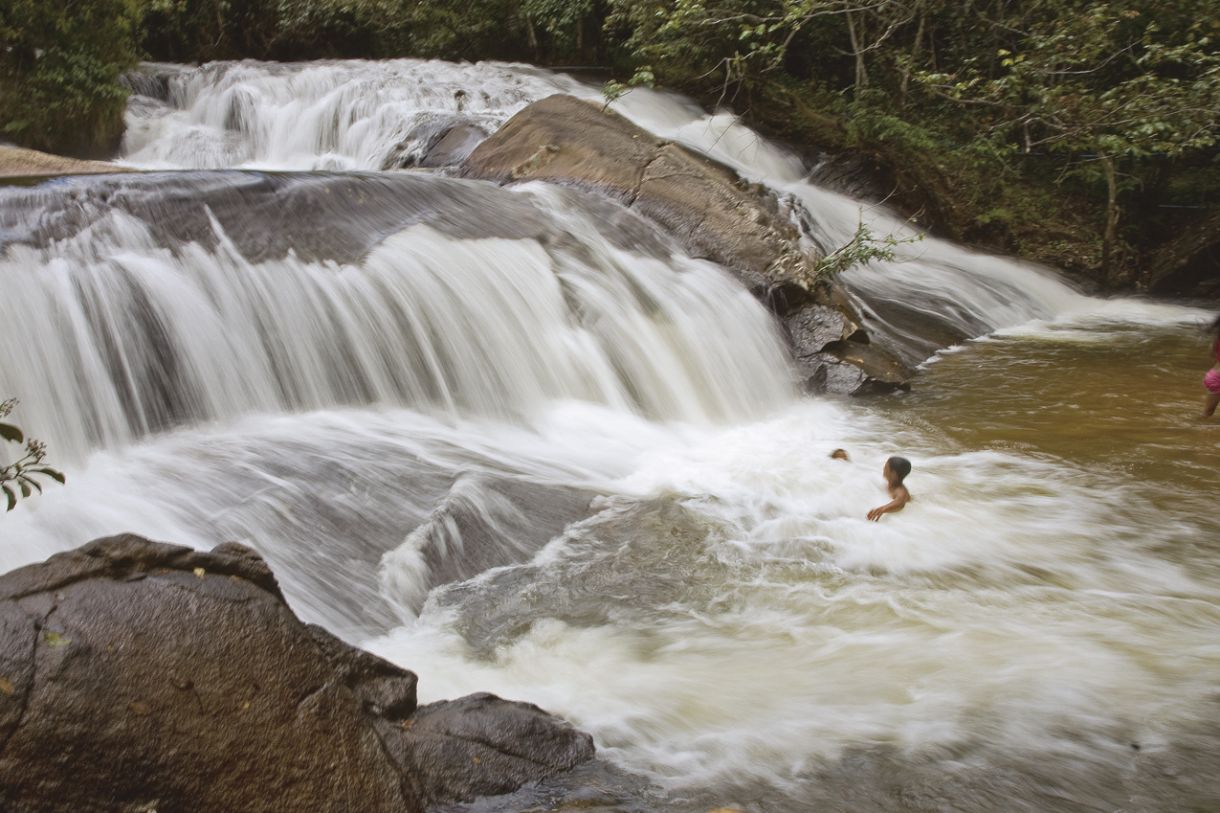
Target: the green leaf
(10, 432)
(53, 474)
(12, 498)
(25, 488)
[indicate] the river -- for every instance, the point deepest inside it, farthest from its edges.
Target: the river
(515, 441)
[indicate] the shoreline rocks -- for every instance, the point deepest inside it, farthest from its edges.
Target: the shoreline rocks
(136, 675)
(714, 213)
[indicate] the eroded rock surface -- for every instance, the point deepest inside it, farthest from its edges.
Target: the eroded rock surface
(137, 676)
(714, 213)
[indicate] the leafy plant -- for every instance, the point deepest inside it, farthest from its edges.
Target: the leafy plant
(19, 477)
(863, 247)
(614, 90)
(59, 70)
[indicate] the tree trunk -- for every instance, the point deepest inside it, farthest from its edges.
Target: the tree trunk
(1109, 240)
(861, 70)
(533, 38)
(916, 48)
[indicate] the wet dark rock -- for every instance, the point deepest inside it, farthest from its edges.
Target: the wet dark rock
(817, 326)
(453, 146)
(152, 80)
(917, 333)
(440, 142)
(833, 352)
(481, 745)
(483, 523)
(590, 584)
(136, 675)
(710, 210)
(593, 787)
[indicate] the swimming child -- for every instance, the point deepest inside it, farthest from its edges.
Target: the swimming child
(1211, 379)
(895, 471)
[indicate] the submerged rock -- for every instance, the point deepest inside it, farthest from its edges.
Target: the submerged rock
(136, 675)
(714, 213)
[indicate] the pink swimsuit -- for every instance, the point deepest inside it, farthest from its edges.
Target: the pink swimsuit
(1212, 379)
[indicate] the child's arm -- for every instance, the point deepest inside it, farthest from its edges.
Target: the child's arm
(901, 498)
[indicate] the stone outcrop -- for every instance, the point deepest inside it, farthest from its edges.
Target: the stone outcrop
(713, 212)
(139, 676)
(18, 162)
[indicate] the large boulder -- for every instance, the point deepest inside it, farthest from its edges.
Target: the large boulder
(713, 212)
(139, 676)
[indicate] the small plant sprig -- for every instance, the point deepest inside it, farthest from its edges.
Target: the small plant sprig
(18, 477)
(862, 248)
(614, 90)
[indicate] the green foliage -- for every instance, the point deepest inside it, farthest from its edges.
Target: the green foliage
(1108, 80)
(537, 30)
(563, 22)
(1111, 87)
(19, 477)
(862, 248)
(614, 90)
(59, 72)
(870, 121)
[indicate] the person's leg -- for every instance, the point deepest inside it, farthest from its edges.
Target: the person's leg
(1210, 404)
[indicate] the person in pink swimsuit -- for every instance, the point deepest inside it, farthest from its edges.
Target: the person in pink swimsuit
(1211, 380)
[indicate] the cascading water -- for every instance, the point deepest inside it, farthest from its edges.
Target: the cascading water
(323, 115)
(377, 115)
(513, 439)
(119, 331)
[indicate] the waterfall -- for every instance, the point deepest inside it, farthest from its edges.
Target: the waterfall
(319, 115)
(144, 312)
(374, 115)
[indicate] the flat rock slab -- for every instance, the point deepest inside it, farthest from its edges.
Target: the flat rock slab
(137, 676)
(18, 162)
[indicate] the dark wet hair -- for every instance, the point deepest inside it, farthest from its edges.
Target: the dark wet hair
(900, 466)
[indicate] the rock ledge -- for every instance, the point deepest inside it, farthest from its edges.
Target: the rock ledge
(136, 675)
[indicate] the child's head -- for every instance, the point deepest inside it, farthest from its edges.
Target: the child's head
(896, 470)
(839, 454)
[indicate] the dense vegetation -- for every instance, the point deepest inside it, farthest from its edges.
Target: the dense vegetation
(59, 67)
(1079, 132)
